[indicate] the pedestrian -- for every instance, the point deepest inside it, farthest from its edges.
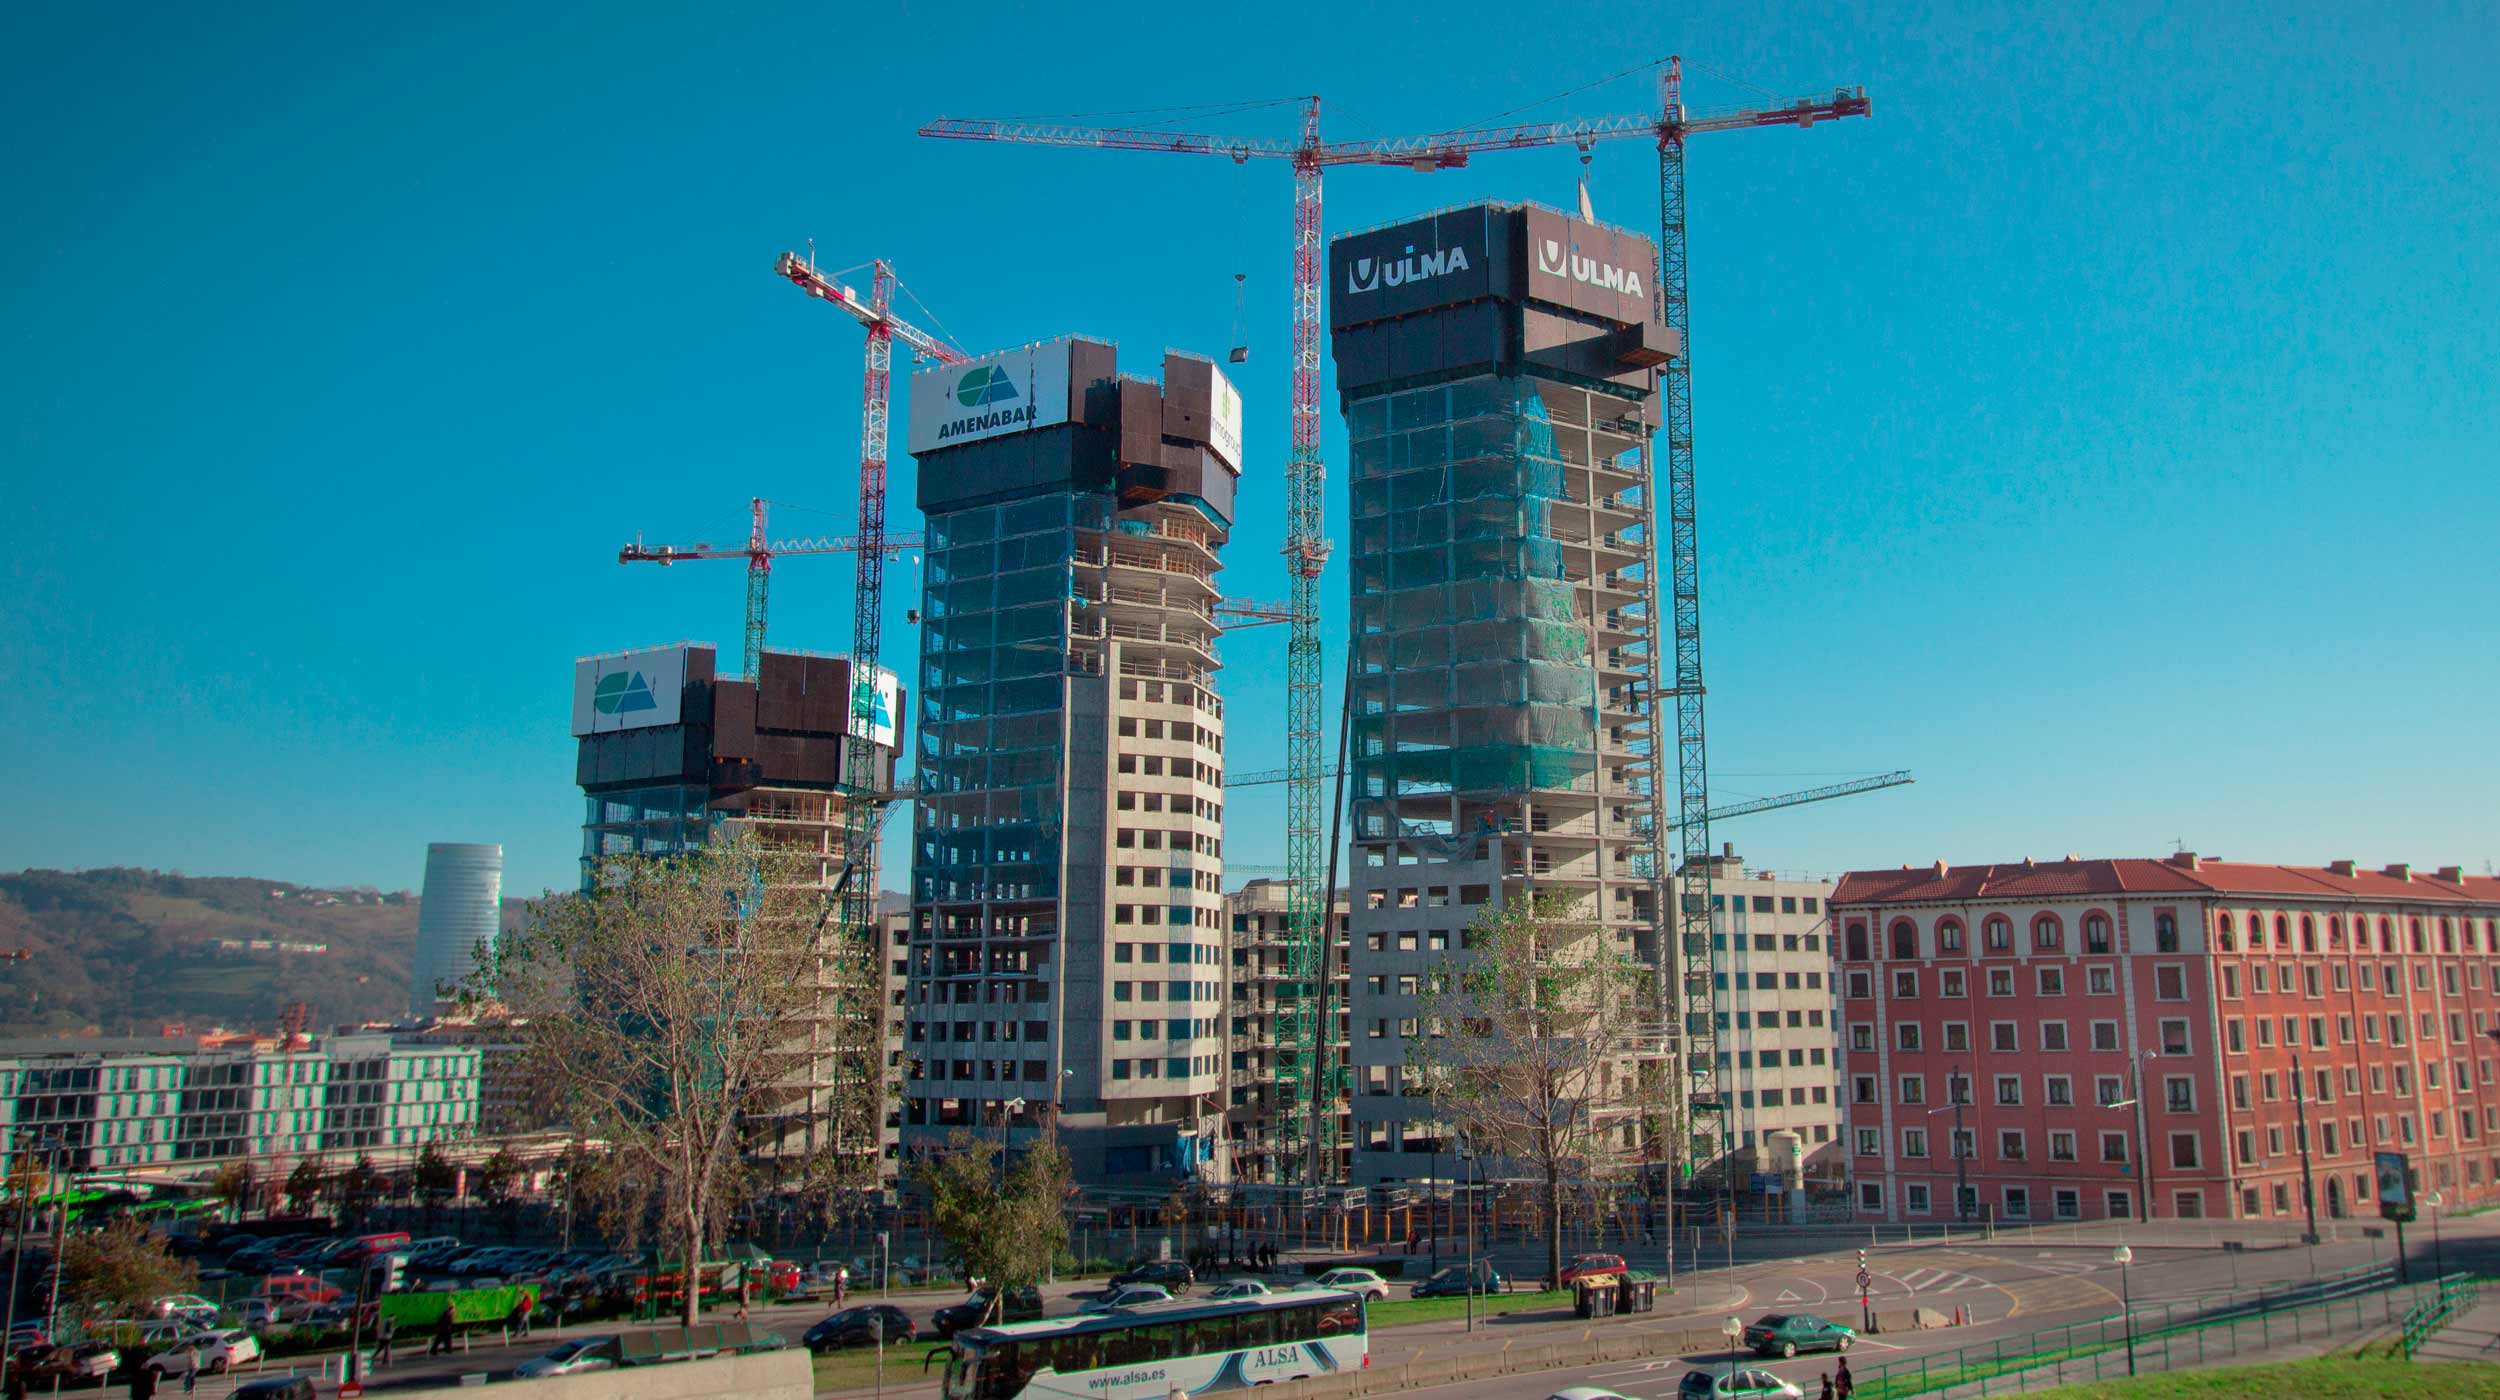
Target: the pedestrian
(382, 1331)
(1844, 1385)
(742, 1294)
(841, 1284)
(191, 1376)
(441, 1345)
(1827, 1387)
(517, 1323)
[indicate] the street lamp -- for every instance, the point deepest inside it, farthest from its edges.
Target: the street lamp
(2126, 1300)
(1957, 1088)
(2432, 1201)
(1734, 1330)
(2143, 1133)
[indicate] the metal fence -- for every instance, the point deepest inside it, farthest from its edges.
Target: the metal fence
(2425, 1318)
(2171, 1336)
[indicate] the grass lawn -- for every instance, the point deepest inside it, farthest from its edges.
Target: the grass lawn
(855, 1368)
(1402, 1312)
(2328, 1378)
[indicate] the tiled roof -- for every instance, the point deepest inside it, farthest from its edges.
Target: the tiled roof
(2037, 880)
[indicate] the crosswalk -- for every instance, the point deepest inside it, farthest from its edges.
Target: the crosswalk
(1936, 1280)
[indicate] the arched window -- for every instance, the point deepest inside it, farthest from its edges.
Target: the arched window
(2096, 938)
(2165, 932)
(1949, 936)
(2414, 927)
(1904, 939)
(2447, 935)
(1857, 941)
(2335, 934)
(2222, 933)
(2282, 932)
(1998, 930)
(2386, 934)
(2047, 934)
(2308, 934)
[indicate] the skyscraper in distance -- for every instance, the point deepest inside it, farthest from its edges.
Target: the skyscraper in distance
(461, 912)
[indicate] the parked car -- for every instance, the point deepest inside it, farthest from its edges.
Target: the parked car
(859, 1326)
(1587, 1392)
(1786, 1334)
(213, 1350)
(1170, 1273)
(88, 1363)
(1238, 1288)
(178, 1304)
(1590, 1266)
(1363, 1281)
(307, 1289)
(1452, 1282)
(576, 1356)
(1739, 1385)
(1131, 1296)
(1023, 1305)
(276, 1388)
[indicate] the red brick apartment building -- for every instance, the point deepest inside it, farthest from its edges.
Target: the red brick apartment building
(2087, 1008)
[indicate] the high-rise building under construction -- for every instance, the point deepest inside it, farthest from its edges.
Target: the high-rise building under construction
(1066, 957)
(1497, 365)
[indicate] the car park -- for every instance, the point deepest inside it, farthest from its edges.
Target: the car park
(1023, 1305)
(1786, 1334)
(1238, 1288)
(1169, 1273)
(581, 1354)
(860, 1326)
(1130, 1296)
(1590, 1266)
(1363, 1281)
(1452, 1282)
(1735, 1385)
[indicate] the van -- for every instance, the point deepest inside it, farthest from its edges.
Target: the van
(299, 1288)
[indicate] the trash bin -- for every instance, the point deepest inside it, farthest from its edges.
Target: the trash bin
(1583, 1299)
(1639, 1294)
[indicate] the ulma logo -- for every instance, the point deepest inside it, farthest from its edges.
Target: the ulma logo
(984, 384)
(1554, 260)
(981, 387)
(1371, 274)
(622, 693)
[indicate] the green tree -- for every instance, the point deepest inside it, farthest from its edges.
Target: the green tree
(436, 1179)
(499, 1184)
(233, 1185)
(1003, 1232)
(690, 1006)
(358, 1186)
(304, 1185)
(1540, 1047)
(116, 1271)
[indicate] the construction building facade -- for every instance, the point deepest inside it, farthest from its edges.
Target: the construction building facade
(1257, 1136)
(2181, 1038)
(671, 752)
(1067, 946)
(1779, 997)
(1498, 370)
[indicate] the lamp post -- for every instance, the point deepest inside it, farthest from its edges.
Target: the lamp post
(1957, 1088)
(1432, 1201)
(2308, 1184)
(1734, 1330)
(2126, 1300)
(2432, 1201)
(2143, 1134)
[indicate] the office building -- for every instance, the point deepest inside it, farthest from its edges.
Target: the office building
(1257, 1134)
(2180, 1038)
(1779, 1031)
(670, 752)
(460, 915)
(1068, 936)
(1497, 366)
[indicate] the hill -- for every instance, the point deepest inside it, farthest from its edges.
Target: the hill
(124, 951)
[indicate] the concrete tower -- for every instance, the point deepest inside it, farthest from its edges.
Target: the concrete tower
(462, 911)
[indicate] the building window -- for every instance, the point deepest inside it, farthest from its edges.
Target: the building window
(2179, 1094)
(2105, 1035)
(1956, 982)
(1905, 1035)
(2174, 1037)
(1915, 1199)
(2113, 1147)
(2061, 1146)
(2061, 1091)
(1870, 1142)
(2165, 932)
(2000, 981)
(1905, 985)
(2001, 1037)
(2017, 1203)
(2009, 1089)
(2183, 1153)
(1998, 932)
(1956, 1036)
(1949, 936)
(2096, 936)
(1904, 939)
(2047, 934)
(1913, 1142)
(1861, 986)
(2169, 983)
(2010, 1144)
(1870, 1195)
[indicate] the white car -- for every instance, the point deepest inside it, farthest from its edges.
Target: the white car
(1363, 1281)
(1129, 1296)
(1587, 1392)
(221, 1349)
(1740, 1385)
(1239, 1288)
(576, 1356)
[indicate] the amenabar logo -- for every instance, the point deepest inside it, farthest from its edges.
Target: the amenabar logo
(622, 693)
(983, 385)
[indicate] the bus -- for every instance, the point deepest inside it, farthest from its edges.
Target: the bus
(1149, 1351)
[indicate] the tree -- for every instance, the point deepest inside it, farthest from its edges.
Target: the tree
(1536, 1047)
(358, 1186)
(498, 1184)
(1005, 1233)
(118, 1270)
(233, 1185)
(304, 1184)
(436, 1179)
(687, 1008)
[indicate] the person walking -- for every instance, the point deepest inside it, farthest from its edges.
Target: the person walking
(1844, 1385)
(1827, 1387)
(841, 1284)
(517, 1322)
(742, 1294)
(382, 1331)
(441, 1345)
(191, 1375)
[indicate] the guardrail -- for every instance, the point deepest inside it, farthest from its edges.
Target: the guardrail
(2425, 1318)
(2179, 1334)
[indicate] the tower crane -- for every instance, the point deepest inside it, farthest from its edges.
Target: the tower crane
(759, 551)
(876, 315)
(1301, 1075)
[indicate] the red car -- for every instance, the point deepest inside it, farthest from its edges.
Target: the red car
(1591, 1266)
(783, 1274)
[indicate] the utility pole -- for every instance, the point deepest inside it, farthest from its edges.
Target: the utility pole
(2308, 1185)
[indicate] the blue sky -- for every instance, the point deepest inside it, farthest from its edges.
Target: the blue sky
(2105, 430)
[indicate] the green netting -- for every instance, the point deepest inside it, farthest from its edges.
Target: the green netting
(1556, 641)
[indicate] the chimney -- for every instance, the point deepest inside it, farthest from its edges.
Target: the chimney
(2341, 867)
(2399, 871)
(1728, 849)
(2030, 864)
(2453, 874)
(1940, 869)
(2186, 860)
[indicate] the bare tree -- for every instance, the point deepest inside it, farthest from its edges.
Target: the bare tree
(1537, 1046)
(676, 1013)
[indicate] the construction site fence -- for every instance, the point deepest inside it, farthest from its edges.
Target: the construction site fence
(2168, 1336)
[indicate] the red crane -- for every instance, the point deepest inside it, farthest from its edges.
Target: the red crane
(858, 884)
(1306, 544)
(759, 551)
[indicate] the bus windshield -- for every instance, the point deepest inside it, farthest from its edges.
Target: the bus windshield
(961, 1369)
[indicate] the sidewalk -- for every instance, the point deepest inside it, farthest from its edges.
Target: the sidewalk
(2473, 1335)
